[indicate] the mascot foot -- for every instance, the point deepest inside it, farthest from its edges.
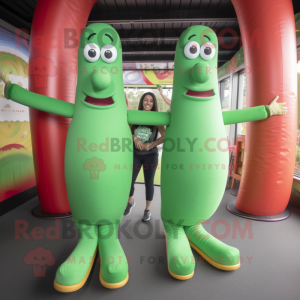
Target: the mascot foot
(73, 273)
(181, 262)
(113, 262)
(215, 252)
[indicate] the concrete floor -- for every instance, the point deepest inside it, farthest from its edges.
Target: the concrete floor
(270, 266)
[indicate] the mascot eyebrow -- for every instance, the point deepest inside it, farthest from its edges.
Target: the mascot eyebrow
(204, 36)
(191, 36)
(207, 37)
(109, 36)
(91, 35)
(104, 34)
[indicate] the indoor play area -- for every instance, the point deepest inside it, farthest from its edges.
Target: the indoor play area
(149, 149)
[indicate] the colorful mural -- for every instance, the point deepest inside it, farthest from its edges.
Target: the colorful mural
(16, 161)
(148, 77)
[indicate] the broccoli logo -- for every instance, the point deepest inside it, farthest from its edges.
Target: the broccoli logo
(39, 258)
(94, 165)
(41, 68)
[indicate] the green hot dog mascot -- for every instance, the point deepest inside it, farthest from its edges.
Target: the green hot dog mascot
(195, 154)
(98, 139)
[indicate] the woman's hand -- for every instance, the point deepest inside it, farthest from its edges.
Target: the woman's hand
(148, 146)
(160, 90)
(138, 144)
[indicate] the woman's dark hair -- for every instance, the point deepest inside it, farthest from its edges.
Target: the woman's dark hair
(140, 107)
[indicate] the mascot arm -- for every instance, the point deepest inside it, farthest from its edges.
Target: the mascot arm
(138, 117)
(254, 113)
(40, 102)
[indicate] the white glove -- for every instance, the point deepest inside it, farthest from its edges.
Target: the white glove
(277, 108)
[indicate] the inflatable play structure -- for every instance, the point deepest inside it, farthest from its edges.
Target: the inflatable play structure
(90, 173)
(89, 136)
(275, 56)
(261, 29)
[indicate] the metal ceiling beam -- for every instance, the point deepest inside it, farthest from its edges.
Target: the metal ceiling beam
(166, 49)
(153, 39)
(155, 34)
(148, 52)
(149, 39)
(177, 16)
(12, 17)
(163, 50)
(165, 21)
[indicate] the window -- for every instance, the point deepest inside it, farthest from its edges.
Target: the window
(241, 128)
(225, 96)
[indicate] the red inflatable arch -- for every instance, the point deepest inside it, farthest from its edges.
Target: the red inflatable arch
(271, 144)
(53, 22)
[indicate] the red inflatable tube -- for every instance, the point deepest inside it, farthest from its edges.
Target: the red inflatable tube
(55, 33)
(268, 35)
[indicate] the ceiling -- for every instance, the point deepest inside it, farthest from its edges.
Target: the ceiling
(149, 29)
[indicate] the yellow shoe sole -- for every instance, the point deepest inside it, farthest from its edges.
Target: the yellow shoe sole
(77, 286)
(213, 263)
(179, 277)
(113, 285)
(116, 285)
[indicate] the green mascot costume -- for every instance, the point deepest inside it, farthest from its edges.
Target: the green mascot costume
(98, 141)
(195, 155)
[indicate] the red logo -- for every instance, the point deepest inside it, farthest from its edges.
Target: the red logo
(41, 68)
(39, 258)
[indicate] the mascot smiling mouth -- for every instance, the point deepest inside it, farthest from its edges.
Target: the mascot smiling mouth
(203, 94)
(99, 101)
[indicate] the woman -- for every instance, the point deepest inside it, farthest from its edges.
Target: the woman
(145, 153)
